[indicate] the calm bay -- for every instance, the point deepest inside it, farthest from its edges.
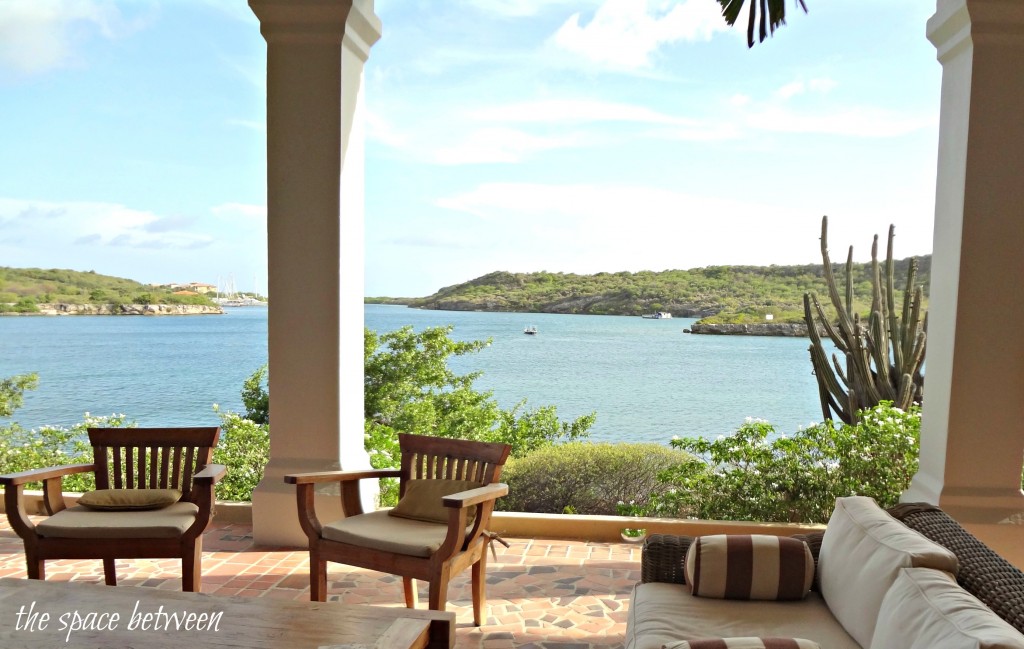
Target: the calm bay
(645, 379)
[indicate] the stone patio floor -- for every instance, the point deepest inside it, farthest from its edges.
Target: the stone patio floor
(541, 594)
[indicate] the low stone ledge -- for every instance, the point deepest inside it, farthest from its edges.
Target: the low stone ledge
(599, 529)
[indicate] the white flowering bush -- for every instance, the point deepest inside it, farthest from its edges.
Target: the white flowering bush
(23, 449)
(244, 448)
(758, 474)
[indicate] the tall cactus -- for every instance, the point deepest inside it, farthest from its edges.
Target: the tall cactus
(884, 359)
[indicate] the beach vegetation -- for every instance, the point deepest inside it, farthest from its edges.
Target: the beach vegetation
(588, 478)
(760, 474)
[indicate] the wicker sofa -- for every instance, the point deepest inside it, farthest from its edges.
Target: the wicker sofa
(863, 596)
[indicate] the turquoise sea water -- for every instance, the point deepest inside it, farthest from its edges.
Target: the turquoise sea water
(646, 380)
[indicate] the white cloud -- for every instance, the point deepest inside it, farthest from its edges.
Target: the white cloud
(822, 85)
(791, 89)
(517, 8)
(239, 11)
(515, 132)
(380, 129)
(119, 240)
(251, 124)
(863, 121)
(499, 144)
(96, 224)
(40, 35)
(581, 227)
(624, 34)
(795, 88)
(247, 211)
(552, 111)
(588, 228)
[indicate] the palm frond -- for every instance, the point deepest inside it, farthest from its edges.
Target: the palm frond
(766, 15)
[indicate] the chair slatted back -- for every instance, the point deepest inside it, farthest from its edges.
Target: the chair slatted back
(151, 458)
(436, 458)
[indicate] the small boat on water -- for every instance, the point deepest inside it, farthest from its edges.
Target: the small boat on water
(530, 331)
(660, 315)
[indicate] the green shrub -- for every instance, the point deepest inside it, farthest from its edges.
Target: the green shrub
(755, 474)
(585, 478)
(21, 449)
(244, 448)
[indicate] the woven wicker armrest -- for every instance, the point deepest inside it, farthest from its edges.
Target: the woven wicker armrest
(813, 541)
(662, 558)
(983, 573)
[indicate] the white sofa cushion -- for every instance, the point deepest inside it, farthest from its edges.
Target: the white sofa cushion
(926, 609)
(661, 613)
(862, 552)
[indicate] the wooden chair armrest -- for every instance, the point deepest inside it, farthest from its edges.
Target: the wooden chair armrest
(203, 497)
(483, 498)
(476, 496)
(211, 473)
(351, 502)
(40, 475)
(340, 476)
(53, 497)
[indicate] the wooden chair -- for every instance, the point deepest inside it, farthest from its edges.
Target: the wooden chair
(125, 459)
(414, 549)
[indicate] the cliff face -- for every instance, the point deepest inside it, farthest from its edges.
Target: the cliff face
(761, 329)
(127, 309)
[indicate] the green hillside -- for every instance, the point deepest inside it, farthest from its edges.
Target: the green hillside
(729, 293)
(21, 289)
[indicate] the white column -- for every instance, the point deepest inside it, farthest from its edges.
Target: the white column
(315, 55)
(972, 437)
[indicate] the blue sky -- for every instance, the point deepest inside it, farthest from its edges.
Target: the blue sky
(520, 135)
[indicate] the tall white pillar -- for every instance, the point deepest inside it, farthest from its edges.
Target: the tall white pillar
(972, 437)
(315, 55)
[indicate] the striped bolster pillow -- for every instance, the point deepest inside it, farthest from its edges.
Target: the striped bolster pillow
(744, 643)
(749, 566)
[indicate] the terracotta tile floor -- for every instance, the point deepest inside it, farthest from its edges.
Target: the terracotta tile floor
(540, 594)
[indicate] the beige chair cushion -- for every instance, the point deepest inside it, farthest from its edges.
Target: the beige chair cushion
(926, 609)
(745, 643)
(392, 534)
(82, 523)
(861, 554)
(129, 499)
(662, 614)
(422, 500)
(749, 566)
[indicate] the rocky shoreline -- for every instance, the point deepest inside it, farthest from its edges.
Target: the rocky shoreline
(791, 330)
(58, 309)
